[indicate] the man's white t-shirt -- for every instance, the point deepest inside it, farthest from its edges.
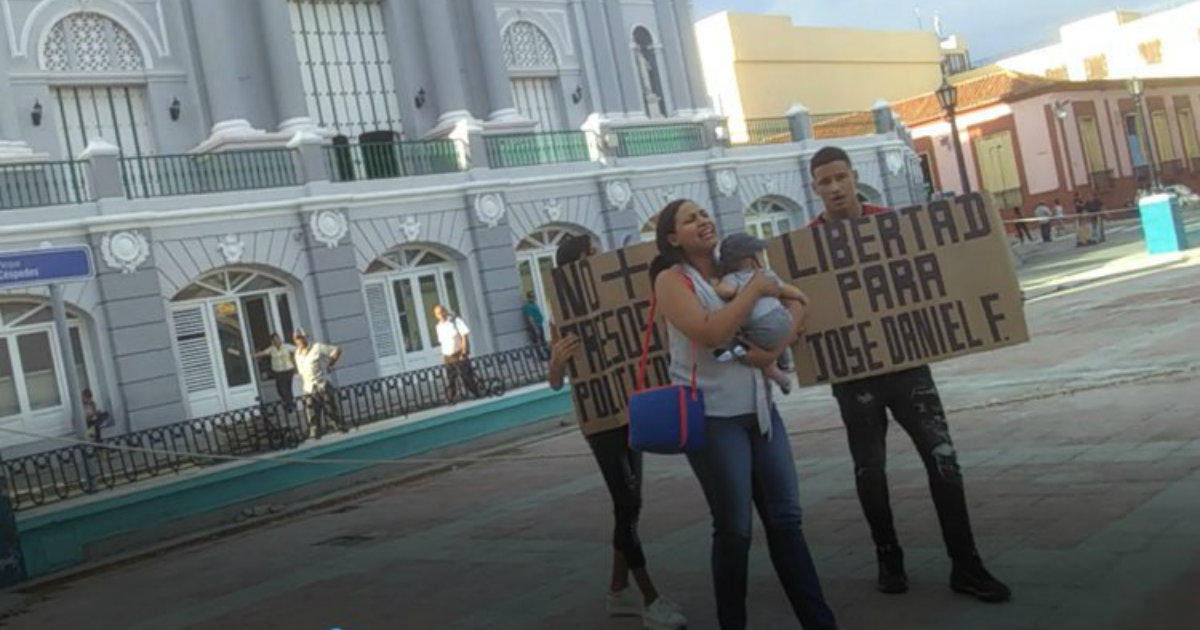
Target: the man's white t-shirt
(1043, 213)
(310, 367)
(450, 335)
(1058, 211)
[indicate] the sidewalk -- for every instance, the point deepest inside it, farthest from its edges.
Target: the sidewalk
(1081, 452)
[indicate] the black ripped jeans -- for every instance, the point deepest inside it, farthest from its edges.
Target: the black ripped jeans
(913, 399)
(622, 470)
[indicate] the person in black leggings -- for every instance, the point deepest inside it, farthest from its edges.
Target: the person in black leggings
(622, 470)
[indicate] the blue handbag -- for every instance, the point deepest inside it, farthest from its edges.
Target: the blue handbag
(668, 419)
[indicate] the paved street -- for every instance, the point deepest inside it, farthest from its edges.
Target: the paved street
(1081, 453)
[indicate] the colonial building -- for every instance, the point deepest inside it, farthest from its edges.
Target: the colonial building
(1027, 139)
(244, 167)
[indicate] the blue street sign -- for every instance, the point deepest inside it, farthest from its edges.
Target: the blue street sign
(46, 266)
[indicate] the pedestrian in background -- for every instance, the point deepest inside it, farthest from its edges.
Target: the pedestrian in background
(453, 337)
(314, 363)
(283, 368)
(1044, 216)
(1022, 229)
(535, 324)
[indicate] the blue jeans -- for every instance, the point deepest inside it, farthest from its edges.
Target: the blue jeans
(740, 467)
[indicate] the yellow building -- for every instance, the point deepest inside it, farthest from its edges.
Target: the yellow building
(757, 66)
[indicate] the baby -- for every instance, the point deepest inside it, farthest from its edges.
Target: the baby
(770, 325)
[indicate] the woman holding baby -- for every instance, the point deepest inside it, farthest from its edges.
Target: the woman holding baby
(748, 459)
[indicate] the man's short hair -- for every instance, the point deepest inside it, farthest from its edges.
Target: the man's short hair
(829, 155)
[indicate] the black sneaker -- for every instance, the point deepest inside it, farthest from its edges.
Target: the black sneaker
(892, 578)
(969, 577)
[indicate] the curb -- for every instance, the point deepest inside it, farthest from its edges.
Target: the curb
(23, 594)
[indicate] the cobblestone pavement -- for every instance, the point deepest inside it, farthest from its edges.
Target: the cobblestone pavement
(1081, 452)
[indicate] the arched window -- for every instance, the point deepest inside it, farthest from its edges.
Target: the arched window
(220, 321)
(401, 290)
(535, 259)
(649, 229)
(533, 66)
(768, 217)
(90, 42)
(114, 109)
(648, 73)
(33, 384)
(867, 194)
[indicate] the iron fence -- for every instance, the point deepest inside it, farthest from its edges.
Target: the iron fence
(532, 149)
(64, 473)
(768, 131)
(193, 174)
(37, 184)
(385, 160)
(639, 141)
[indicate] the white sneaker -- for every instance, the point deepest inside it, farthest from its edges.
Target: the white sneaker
(624, 603)
(663, 614)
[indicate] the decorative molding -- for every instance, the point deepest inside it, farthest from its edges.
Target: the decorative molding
(618, 193)
(231, 248)
(553, 209)
(895, 162)
(489, 209)
(411, 227)
(727, 182)
(771, 184)
(120, 12)
(125, 251)
(329, 227)
(669, 194)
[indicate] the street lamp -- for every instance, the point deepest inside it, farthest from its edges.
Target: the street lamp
(1061, 112)
(1137, 88)
(948, 98)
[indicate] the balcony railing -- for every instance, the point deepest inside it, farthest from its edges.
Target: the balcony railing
(194, 174)
(65, 473)
(36, 184)
(532, 149)
(639, 141)
(768, 131)
(1102, 179)
(386, 160)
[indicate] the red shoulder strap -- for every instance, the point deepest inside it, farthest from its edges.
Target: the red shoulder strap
(641, 375)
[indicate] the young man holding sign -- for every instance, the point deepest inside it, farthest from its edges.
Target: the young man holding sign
(912, 397)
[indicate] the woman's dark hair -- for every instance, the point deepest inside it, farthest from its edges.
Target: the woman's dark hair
(572, 248)
(668, 254)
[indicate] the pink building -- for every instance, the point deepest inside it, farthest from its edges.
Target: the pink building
(1027, 139)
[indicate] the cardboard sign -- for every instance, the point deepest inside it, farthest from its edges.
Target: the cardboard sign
(902, 289)
(604, 300)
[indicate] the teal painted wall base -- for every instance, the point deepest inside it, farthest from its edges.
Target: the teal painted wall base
(56, 539)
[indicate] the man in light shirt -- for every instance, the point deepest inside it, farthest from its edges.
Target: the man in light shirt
(453, 336)
(282, 367)
(314, 377)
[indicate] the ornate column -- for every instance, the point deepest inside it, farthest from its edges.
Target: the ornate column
(499, 89)
(674, 70)
(621, 41)
(691, 53)
(445, 62)
(595, 28)
(12, 147)
(291, 110)
(220, 62)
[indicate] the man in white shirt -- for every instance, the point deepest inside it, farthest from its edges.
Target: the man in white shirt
(314, 377)
(1060, 218)
(1044, 215)
(453, 336)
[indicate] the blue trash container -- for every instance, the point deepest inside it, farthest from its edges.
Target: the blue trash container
(1162, 224)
